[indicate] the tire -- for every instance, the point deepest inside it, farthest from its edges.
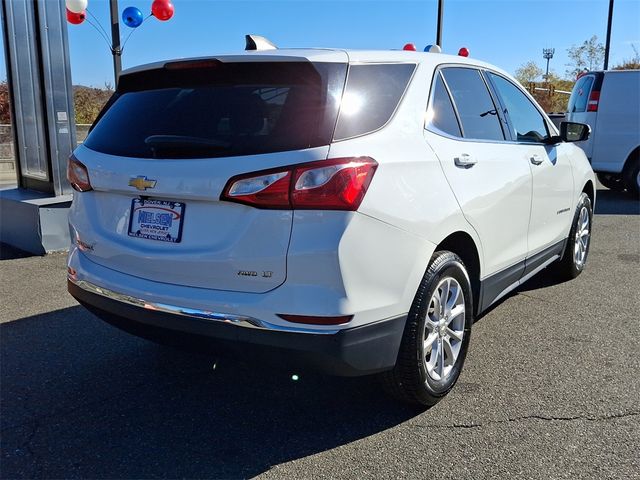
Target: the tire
(420, 376)
(576, 251)
(631, 176)
(612, 181)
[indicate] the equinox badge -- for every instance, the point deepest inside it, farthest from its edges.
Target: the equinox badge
(141, 182)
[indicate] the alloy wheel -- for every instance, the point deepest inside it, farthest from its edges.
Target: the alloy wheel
(583, 234)
(444, 329)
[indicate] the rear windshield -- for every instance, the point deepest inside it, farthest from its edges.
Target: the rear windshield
(221, 110)
(580, 94)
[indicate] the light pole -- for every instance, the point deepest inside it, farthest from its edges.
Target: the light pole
(608, 41)
(547, 53)
(115, 40)
(439, 25)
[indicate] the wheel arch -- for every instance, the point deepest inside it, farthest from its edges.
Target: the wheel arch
(635, 153)
(589, 189)
(463, 245)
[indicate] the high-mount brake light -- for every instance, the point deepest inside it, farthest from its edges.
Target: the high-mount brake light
(192, 64)
(334, 184)
(594, 100)
(78, 175)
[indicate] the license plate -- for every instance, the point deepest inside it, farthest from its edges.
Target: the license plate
(156, 220)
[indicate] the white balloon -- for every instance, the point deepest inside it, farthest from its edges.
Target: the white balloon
(76, 6)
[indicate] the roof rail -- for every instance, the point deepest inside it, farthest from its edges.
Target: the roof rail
(256, 42)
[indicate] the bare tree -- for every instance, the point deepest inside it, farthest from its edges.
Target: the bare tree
(632, 63)
(589, 55)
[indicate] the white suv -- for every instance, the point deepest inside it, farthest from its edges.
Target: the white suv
(354, 210)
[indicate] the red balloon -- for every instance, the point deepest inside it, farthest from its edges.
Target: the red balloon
(75, 18)
(162, 9)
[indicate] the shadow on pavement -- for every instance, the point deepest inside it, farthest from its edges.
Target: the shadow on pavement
(610, 202)
(81, 399)
(7, 252)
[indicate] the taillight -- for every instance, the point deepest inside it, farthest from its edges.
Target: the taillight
(336, 184)
(594, 99)
(78, 175)
(269, 190)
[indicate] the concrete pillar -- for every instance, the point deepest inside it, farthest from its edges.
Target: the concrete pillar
(32, 217)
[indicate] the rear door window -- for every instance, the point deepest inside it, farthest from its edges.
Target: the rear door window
(371, 96)
(580, 94)
(478, 114)
(221, 110)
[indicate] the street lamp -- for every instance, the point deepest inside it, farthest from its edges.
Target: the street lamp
(547, 53)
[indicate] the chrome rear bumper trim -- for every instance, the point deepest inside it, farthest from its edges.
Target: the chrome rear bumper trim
(237, 320)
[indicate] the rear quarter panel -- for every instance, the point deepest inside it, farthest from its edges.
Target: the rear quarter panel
(409, 190)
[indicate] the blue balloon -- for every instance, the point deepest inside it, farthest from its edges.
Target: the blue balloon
(132, 17)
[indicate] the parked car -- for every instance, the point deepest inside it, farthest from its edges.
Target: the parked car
(355, 210)
(609, 101)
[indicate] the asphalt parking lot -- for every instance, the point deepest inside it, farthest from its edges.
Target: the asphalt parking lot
(551, 389)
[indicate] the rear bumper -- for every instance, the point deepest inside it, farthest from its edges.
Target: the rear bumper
(361, 350)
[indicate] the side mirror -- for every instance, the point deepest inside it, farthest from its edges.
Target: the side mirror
(574, 132)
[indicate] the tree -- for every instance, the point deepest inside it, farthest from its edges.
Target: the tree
(558, 101)
(5, 110)
(528, 72)
(632, 63)
(89, 101)
(589, 56)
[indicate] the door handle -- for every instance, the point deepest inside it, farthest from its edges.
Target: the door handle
(465, 160)
(535, 159)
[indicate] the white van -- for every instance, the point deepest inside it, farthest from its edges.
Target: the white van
(609, 102)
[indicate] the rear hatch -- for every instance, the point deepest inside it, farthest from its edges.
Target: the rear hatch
(164, 148)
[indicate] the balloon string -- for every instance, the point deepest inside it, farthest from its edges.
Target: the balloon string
(97, 21)
(131, 32)
(101, 34)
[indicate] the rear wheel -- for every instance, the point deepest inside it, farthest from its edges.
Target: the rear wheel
(436, 336)
(631, 176)
(612, 181)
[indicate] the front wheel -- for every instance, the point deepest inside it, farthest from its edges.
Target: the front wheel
(576, 251)
(436, 336)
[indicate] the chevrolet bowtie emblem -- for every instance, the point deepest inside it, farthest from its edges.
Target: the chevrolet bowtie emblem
(141, 182)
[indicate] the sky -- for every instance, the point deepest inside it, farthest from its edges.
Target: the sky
(506, 33)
